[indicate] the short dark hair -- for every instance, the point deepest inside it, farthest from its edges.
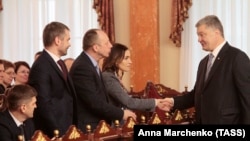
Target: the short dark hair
(18, 94)
(38, 53)
(18, 64)
(90, 38)
(53, 30)
(8, 64)
(1, 61)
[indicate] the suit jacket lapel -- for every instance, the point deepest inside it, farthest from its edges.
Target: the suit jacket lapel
(97, 75)
(54, 64)
(12, 123)
(68, 83)
(217, 62)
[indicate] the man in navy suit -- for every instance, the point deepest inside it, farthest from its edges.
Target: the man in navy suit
(21, 101)
(56, 107)
(224, 96)
(92, 96)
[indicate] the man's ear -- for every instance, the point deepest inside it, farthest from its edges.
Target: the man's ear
(57, 40)
(217, 31)
(95, 48)
(23, 108)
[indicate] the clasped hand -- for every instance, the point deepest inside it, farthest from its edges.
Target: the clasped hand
(165, 104)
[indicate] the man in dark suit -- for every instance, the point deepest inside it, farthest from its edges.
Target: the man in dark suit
(22, 102)
(92, 96)
(56, 107)
(224, 96)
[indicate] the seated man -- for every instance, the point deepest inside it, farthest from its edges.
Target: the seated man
(21, 101)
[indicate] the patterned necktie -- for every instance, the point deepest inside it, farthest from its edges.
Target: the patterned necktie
(209, 65)
(64, 69)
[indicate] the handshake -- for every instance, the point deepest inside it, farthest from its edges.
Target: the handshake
(165, 104)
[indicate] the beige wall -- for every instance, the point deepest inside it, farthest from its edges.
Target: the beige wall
(121, 14)
(169, 54)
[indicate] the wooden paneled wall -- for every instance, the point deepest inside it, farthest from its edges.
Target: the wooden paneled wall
(144, 42)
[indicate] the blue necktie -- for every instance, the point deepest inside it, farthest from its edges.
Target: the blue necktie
(97, 69)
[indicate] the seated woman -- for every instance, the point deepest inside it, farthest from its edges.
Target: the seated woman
(22, 70)
(9, 74)
(113, 69)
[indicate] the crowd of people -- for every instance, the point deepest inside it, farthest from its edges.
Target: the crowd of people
(54, 93)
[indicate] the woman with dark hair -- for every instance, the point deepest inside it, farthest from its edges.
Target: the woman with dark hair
(22, 71)
(113, 69)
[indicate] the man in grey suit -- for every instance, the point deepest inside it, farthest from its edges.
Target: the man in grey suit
(93, 101)
(224, 96)
(56, 107)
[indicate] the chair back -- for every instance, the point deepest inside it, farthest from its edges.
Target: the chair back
(104, 132)
(40, 136)
(74, 134)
